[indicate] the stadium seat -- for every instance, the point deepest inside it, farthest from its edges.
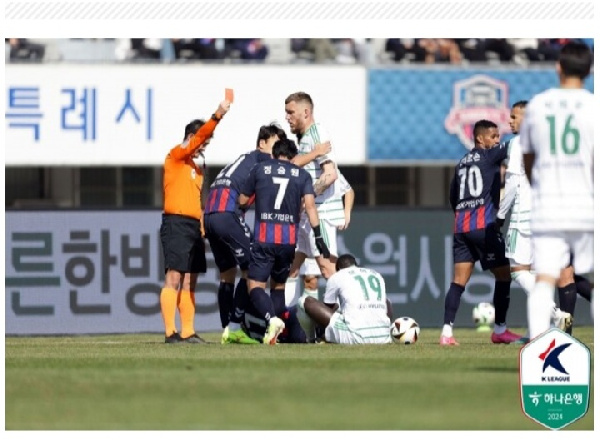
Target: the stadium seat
(279, 50)
(83, 50)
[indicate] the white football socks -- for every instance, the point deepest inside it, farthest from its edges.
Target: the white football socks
(292, 291)
(539, 308)
(447, 330)
(525, 279)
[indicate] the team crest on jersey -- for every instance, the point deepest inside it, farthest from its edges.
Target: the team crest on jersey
(476, 98)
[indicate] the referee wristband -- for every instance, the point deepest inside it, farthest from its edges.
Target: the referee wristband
(216, 118)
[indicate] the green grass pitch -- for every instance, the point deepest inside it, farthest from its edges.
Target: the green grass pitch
(136, 382)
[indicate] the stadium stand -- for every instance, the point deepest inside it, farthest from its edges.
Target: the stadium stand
(518, 51)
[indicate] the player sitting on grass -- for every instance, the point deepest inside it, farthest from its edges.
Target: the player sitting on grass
(355, 308)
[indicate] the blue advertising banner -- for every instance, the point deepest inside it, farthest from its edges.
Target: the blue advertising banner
(427, 115)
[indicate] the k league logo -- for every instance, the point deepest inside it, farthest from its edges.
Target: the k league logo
(551, 358)
(555, 379)
(475, 98)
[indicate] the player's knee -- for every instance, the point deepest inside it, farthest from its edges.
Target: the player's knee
(502, 273)
(567, 276)
(228, 276)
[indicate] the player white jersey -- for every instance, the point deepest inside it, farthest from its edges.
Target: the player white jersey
(341, 185)
(558, 129)
(327, 205)
(517, 191)
(361, 295)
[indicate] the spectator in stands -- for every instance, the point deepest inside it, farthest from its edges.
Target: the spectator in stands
(297, 45)
(404, 49)
(525, 49)
(321, 50)
(196, 49)
(442, 50)
(253, 49)
(346, 50)
(501, 47)
(550, 47)
(22, 49)
(138, 49)
(472, 49)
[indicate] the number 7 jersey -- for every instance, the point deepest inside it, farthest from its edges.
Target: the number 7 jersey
(475, 188)
(558, 127)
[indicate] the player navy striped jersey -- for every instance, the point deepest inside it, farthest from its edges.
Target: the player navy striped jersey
(279, 187)
(475, 188)
(225, 189)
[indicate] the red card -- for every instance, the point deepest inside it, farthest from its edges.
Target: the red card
(229, 94)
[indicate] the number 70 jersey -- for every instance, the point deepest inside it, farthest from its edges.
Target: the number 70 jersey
(558, 127)
(475, 188)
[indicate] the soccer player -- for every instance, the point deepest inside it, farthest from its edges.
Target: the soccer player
(355, 308)
(181, 231)
(280, 189)
(229, 235)
(309, 271)
(557, 139)
(323, 171)
(517, 200)
(474, 196)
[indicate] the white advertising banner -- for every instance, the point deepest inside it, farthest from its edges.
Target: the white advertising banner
(77, 115)
(75, 272)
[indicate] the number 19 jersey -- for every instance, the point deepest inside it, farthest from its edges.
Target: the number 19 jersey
(361, 295)
(558, 128)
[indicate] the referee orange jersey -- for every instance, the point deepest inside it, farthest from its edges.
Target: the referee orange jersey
(182, 180)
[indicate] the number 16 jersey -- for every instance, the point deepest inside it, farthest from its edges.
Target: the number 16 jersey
(558, 127)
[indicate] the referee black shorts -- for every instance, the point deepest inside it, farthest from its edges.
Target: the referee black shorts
(182, 244)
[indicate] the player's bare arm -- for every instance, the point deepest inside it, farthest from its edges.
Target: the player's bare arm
(390, 310)
(244, 201)
(327, 177)
(320, 149)
(348, 205)
(222, 109)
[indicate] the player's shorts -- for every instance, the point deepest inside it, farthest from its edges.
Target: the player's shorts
(484, 245)
(338, 331)
(518, 248)
(182, 244)
(229, 237)
(553, 251)
(310, 267)
(306, 238)
(270, 260)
